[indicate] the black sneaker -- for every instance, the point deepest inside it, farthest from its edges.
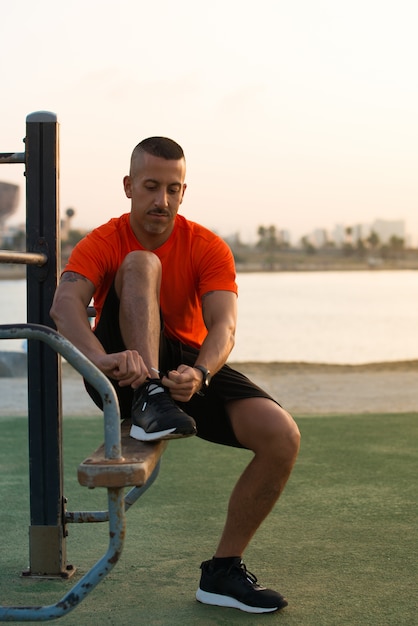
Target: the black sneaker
(236, 588)
(156, 416)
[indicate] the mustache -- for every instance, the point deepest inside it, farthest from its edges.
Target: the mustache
(158, 212)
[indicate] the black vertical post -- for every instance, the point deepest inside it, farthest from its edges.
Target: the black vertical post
(47, 529)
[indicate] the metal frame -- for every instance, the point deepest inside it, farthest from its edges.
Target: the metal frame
(47, 531)
(113, 450)
(47, 537)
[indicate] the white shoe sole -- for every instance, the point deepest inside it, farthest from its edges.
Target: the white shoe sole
(216, 599)
(139, 433)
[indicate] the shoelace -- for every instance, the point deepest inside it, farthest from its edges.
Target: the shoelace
(153, 388)
(156, 389)
(242, 572)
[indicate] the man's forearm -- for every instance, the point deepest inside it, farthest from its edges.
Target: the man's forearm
(216, 348)
(74, 325)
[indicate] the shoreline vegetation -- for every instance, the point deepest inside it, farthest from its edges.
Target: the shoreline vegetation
(273, 251)
(320, 263)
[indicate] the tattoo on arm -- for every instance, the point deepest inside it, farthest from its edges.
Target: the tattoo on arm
(205, 295)
(72, 277)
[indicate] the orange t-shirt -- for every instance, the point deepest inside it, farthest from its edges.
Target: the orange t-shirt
(194, 261)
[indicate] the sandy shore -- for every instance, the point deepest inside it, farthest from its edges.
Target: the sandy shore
(304, 389)
(320, 389)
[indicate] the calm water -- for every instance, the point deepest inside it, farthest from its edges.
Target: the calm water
(327, 317)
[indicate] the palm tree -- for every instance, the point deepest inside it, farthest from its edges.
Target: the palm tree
(373, 240)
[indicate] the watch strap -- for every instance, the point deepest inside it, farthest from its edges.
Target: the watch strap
(206, 374)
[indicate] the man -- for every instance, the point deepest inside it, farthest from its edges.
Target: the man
(165, 294)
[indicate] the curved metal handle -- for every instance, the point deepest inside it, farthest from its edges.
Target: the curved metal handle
(111, 412)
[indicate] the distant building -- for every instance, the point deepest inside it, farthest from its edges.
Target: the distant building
(338, 235)
(284, 237)
(319, 237)
(360, 232)
(385, 229)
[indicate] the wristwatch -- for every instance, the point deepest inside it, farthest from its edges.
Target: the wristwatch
(206, 375)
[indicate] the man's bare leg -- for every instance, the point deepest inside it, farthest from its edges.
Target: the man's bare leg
(154, 414)
(268, 430)
(137, 285)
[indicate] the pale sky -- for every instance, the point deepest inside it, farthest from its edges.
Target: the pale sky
(297, 113)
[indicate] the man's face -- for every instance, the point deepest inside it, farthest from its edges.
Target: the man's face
(156, 188)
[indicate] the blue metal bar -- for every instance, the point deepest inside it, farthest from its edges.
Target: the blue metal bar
(89, 581)
(111, 413)
(136, 492)
(113, 450)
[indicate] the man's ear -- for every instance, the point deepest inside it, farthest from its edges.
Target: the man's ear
(183, 192)
(127, 185)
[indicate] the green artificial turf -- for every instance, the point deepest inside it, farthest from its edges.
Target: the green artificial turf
(341, 545)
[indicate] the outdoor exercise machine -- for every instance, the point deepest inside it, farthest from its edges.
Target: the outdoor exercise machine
(120, 462)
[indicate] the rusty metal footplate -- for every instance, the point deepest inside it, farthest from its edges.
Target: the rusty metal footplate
(133, 469)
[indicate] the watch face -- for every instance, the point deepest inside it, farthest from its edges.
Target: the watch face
(206, 375)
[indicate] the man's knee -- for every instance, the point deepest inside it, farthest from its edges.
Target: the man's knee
(140, 260)
(281, 432)
(263, 426)
(289, 434)
(139, 265)
(281, 443)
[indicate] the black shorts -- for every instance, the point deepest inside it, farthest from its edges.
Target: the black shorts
(209, 412)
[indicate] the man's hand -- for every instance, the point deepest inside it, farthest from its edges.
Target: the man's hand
(126, 367)
(183, 382)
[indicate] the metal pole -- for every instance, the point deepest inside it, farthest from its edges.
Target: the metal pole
(12, 157)
(47, 545)
(25, 258)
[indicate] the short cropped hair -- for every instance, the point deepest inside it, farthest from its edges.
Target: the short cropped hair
(161, 147)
